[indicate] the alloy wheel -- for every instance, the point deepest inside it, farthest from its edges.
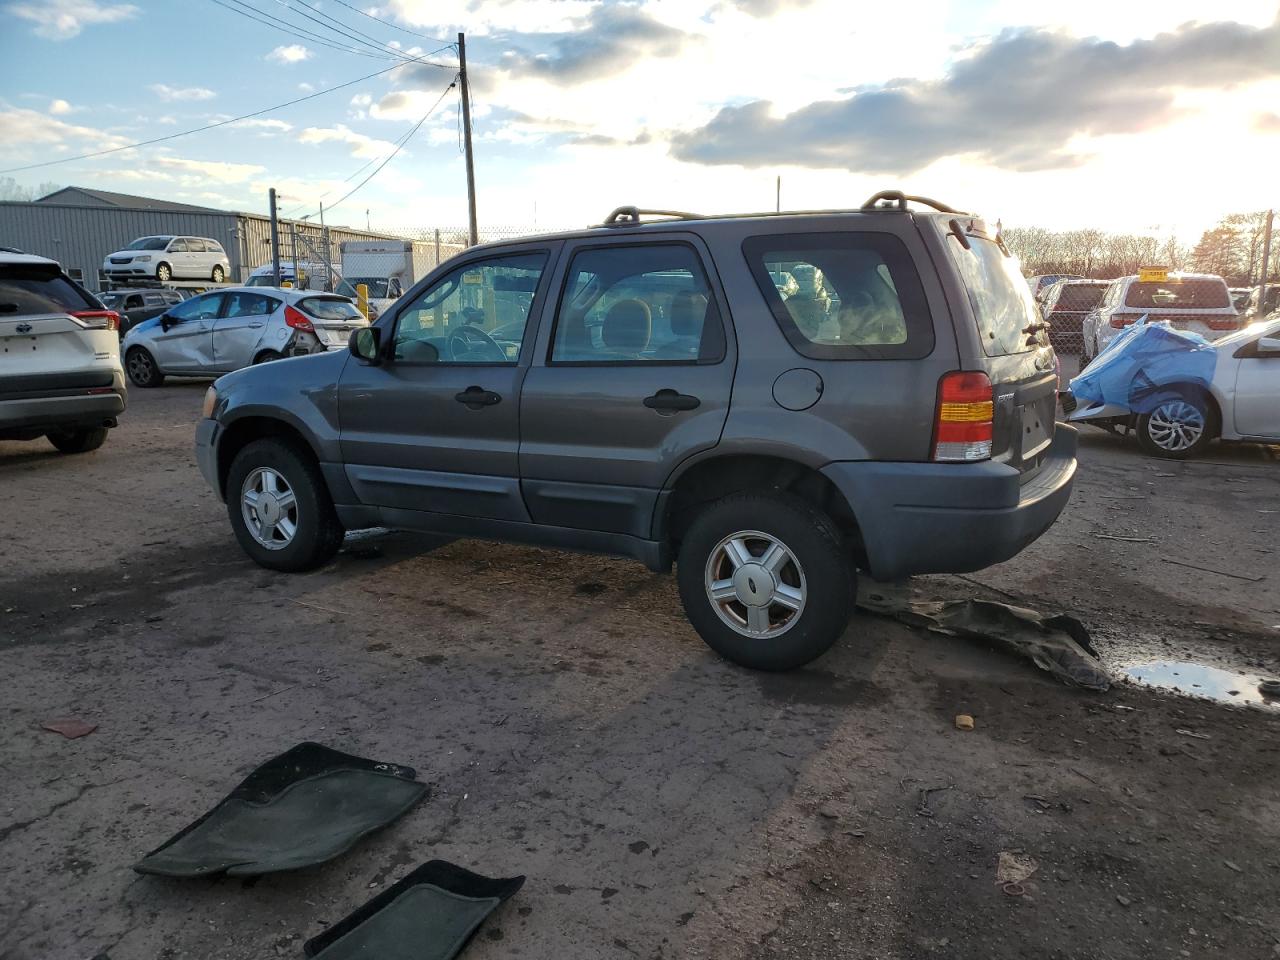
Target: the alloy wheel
(1175, 426)
(269, 508)
(755, 584)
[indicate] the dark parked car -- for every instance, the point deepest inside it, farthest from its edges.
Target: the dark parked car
(134, 306)
(1066, 304)
(642, 389)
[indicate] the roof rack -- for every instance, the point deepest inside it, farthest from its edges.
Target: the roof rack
(884, 199)
(630, 216)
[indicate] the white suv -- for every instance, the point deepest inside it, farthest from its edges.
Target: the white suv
(169, 258)
(1198, 302)
(60, 374)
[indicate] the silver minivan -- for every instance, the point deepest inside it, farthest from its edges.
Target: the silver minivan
(166, 258)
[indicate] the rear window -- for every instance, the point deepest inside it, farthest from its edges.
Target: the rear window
(843, 296)
(1002, 302)
(1183, 294)
(1083, 297)
(27, 290)
(330, 308)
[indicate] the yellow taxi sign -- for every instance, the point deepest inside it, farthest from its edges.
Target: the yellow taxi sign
(1153, 274)
(473, 277)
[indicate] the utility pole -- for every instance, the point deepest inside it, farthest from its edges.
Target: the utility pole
(1266, 262)
(275, 241)
(466, 138)
(778, 201)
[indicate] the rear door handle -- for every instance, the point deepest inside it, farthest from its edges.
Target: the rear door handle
(255, 326)
(670, 400)
(477, 397)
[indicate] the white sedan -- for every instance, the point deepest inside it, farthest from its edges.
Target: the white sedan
(1177, 415)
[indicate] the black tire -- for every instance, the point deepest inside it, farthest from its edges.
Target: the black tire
(318, 533)
(219, 274)
(79, 441)
(267, 356)
(1155, 437)
(819, 551)
(142, 369)
(164, 273)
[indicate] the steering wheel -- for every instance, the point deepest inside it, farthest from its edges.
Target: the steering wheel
(465, 338)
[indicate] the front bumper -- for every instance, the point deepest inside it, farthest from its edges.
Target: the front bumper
(920, 518)
(207, 434)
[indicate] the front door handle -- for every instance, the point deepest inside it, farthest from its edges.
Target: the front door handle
(477, 397)
(668, 400)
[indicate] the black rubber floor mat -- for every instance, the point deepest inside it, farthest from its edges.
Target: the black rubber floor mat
(304, 807)
(428, 915)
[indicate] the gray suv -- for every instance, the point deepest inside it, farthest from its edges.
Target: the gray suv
(646, 389)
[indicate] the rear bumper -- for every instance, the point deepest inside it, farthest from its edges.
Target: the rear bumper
(953, 518)
(207, 434)
(65, 412)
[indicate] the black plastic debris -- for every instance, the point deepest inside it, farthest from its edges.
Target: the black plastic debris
(430, 914)
(304, 807)
(1059, 644)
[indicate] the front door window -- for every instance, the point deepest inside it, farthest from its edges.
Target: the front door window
(476, 313)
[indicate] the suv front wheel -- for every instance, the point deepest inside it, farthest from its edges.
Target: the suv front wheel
(280, 508)
(765, 580)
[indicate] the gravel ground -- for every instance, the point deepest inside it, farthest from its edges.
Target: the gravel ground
(574, 729)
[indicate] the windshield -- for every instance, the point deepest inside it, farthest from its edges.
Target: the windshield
(1195, 294)
(149, 243)
(377, 285)
(1002, 302)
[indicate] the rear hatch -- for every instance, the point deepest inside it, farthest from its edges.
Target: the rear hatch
(1197, 304)
(53, 336)
(333, 317)
(1016, 355)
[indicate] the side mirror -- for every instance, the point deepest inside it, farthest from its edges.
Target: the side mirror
(166, 322)
(366, 344)
(1269, 345)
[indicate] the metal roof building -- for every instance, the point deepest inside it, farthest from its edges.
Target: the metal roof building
(79, 226)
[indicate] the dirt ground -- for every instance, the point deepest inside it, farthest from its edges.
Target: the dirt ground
(574, 729)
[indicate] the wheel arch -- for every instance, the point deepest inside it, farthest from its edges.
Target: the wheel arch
(241, 432)
(708, 479)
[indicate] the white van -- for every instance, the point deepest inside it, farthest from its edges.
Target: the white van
(166, 258)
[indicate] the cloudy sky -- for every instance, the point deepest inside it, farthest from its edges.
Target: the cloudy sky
(1143, 116)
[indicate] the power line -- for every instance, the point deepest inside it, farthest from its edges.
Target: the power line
(293, 31)
(395, 26)
(341, 29)
(399, 145)
(208, 126)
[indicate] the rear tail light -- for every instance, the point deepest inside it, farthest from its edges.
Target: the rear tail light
(962, 431)
(1122, 320)
(1224, 323)
(298, 320)
(98, 319)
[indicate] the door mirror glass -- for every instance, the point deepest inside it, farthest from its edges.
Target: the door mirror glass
(365, 344)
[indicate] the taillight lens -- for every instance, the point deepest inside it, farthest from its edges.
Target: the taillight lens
(98, 319)
(298, 320)
(1224, 323)
(1121, 320)
(962, 431)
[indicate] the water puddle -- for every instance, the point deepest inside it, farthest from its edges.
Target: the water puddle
(1198, 680)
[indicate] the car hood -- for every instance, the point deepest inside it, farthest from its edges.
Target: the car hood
(142, 329)
(266, 380)
(132, 253)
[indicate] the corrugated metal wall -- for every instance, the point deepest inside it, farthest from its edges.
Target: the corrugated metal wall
(80, 237)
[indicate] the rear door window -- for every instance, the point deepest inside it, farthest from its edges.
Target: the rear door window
(249, 305)
(637, 303)
(1007, 316)
(844, 295)
(30, 290)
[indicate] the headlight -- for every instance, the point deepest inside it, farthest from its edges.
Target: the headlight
(210, 401)
(141, 259)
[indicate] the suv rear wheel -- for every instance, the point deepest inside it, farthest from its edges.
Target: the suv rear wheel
(280, 508)
(79, 441)
(765, 580)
